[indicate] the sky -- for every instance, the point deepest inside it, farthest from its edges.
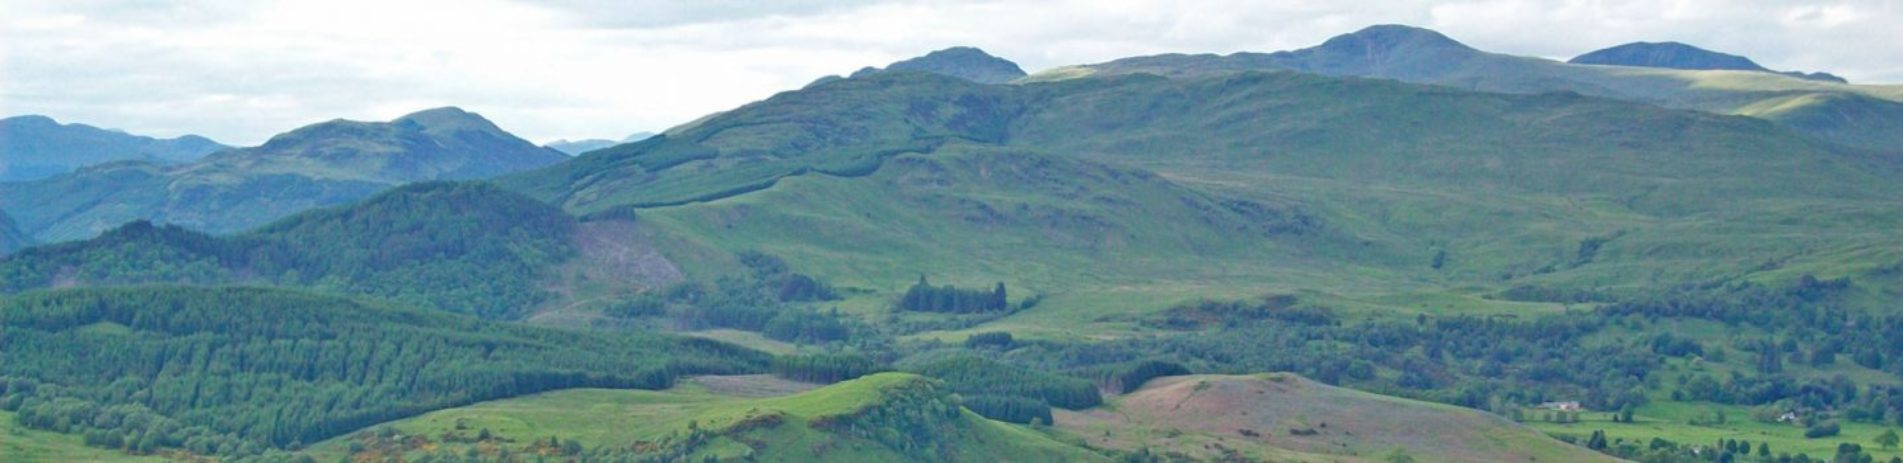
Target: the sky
(241, 71)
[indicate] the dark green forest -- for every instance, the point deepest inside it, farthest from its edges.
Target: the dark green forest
(461, 247)
(235, 371)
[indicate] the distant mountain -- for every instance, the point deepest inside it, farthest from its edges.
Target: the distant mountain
(317, 165)
(962, 62)
(1675, 55)
(33, 147)
(582, 146)
(1417, 55)
(11, 239)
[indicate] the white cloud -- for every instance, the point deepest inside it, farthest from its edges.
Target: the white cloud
(240, 71)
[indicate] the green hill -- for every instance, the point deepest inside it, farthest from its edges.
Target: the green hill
(234, 371)
(35, 147)
(882, 417)
(461, 247)
(1417, 55)
(319, 165)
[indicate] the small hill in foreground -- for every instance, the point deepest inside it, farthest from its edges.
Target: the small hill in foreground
(1288, 417)
(877, 418)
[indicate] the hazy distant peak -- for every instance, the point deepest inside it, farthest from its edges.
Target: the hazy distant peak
(1673, 55)
(1676, 55)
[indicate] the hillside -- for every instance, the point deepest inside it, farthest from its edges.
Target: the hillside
(1234, 185)
(1423, 56)
(11, 238)
(319, 165)
(1674, 55)
(236, 371)
(468, 248)
(34, 147)
(884, 417)
(1287, 417)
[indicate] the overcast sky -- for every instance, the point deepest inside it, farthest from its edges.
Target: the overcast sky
(240, 71)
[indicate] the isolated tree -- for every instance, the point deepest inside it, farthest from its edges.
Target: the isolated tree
(1888, 439)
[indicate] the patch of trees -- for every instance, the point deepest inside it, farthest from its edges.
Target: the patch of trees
(807, 327)
(916, 418)
(824, 368)
(974, 375)
(1209, 313)
(923, 297)
(765, 299)
(1010, 409)
(990, 339)
(1133, 377)
(234, 371)
(462, 247)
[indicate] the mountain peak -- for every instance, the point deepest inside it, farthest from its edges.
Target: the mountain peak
(967, 63)
(448, 119)
(1389, 37)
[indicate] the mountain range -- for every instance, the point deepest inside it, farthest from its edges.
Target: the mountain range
(318, 165)
(1864, 116)
(34, 147)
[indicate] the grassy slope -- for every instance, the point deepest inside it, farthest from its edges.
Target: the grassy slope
(21, 445)
(1198, 414)
(601, 417)
(1672, 421)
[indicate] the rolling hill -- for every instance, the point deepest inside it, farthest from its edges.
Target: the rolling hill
(1285, 417)
(34, 147)
(883, 417)
(1418, 55)
(319, 165)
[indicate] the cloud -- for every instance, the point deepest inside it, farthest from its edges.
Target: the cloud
(240, 71)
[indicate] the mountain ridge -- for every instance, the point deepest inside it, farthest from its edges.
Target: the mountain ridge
(321, 164)
(35, 146)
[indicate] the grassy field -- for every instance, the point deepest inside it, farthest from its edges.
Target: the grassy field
(1672, 421)
(629, 418)
(21, 445)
